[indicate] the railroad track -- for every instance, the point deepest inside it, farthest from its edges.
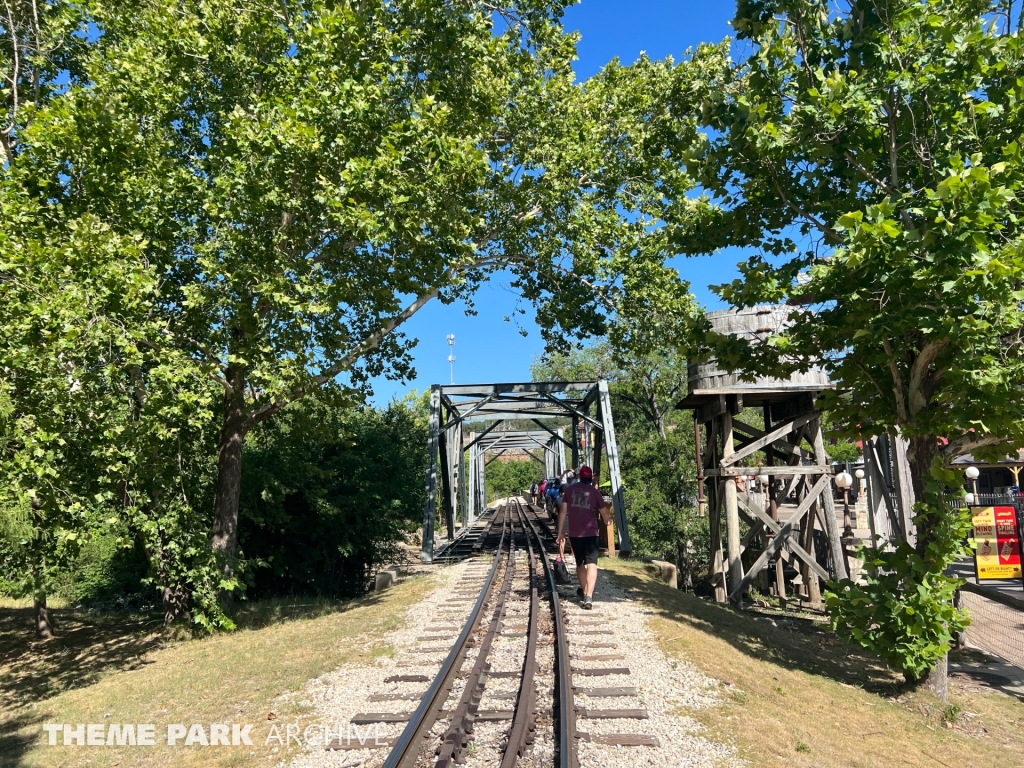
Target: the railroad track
(465, 707)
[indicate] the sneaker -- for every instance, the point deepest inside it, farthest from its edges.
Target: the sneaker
(588, 603)
(579, 592)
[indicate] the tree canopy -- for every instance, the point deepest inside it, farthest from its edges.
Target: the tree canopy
(292, 181)
(869, 153)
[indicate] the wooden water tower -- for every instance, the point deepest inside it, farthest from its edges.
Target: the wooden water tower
(785, 496)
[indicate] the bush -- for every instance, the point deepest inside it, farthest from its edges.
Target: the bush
(904, 609)
(107, 568)
(328, 493)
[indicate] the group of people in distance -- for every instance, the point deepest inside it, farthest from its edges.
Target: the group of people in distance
(577, 503)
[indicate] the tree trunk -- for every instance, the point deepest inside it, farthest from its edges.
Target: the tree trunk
(229, 479)
(175, 601)
(44, 630)
(937, 680)
(921, 452)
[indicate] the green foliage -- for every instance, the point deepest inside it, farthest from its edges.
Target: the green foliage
(110, 569)
(904, 612)
(821, 131)
(873, 149)
(844, 450)
(276, 181)
(329, 491)
(513, 477)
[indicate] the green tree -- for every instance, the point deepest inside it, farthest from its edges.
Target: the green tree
(308, 174)
(870, 153)
(98, 423)
(328, 493)
(512, 477)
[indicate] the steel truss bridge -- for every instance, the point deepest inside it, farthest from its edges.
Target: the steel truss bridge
(584, 426)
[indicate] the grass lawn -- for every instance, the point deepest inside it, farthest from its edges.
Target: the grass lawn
(795, 696)
(128, 669)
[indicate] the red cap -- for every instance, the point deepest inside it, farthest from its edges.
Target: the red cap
(586, 473)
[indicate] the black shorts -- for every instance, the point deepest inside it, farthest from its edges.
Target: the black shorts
(584, 548)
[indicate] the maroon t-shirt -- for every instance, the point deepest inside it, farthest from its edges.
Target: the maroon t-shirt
(582, 501)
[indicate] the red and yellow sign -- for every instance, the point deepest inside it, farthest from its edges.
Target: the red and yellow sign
(997, 553)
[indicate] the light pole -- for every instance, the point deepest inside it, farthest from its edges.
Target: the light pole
(451, 357)
(844, 481)
(971, 473)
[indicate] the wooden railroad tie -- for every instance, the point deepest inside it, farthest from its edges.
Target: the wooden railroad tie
(482, 715)
(600, 671)
(355, 743)
(611, 714)
(620, 739)
(603, 693)
(369, 718)
(407, 679)
(600, 657)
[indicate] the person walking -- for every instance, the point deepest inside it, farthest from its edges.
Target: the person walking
(551, 496)
(533, 492)
(581, 504)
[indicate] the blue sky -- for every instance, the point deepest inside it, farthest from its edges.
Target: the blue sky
(487, 347)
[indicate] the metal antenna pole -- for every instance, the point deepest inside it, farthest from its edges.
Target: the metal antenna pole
(451, 357)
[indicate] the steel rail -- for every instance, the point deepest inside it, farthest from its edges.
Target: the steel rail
(523, 721)
(405, 752)
(462, 719)
(568, 756)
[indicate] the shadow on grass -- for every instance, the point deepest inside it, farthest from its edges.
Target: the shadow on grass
(800, 644)
(90, 645)
(258, 614)
(17, 735)
(86, 647)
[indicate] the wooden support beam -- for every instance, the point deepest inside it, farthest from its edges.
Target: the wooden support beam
(715, 536)
(782, 538)
(776, 434)
(732, 517)
(783, 471)
(780, 446)
(773, 508)
(835, 544)
(711, 409)
(794, 406)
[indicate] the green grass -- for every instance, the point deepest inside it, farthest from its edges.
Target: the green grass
(129, 669)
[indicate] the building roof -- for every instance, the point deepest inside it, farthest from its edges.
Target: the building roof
(1009, 461)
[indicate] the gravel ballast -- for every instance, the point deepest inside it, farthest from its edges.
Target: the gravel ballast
(663, 686)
